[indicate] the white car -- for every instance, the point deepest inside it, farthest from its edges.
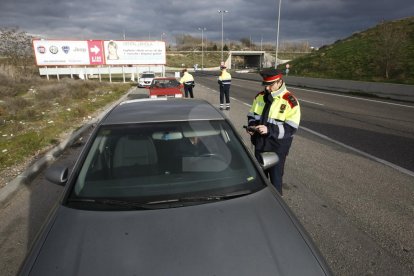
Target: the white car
(146, 79)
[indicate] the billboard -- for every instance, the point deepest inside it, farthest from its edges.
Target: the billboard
(121, 52)
(68, 52)
(98, 52)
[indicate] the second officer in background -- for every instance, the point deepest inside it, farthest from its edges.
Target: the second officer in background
(224, 80)
(188, 81)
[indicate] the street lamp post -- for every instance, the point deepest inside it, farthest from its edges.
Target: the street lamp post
(222, 32)
(277, 36)
(202, 46)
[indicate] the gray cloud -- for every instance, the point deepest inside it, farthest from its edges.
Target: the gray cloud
(316, 21)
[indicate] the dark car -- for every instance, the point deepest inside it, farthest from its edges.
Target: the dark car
(165, 87)
(167, 187)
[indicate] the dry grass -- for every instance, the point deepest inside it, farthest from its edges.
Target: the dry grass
(35, 112)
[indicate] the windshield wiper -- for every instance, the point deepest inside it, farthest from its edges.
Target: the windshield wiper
(166, 202)
(112, 202)
(201, 199)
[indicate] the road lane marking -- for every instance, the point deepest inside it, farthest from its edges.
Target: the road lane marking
(302, 100)
(382, 161)
(379, 160)
(352, 97)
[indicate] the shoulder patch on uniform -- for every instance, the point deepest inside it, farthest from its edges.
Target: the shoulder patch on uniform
(290, 99)
(258, 94)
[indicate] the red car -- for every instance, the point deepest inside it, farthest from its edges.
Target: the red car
(165, 87)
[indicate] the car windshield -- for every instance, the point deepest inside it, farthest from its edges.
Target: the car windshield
(147, 75)
(165, 83)
(162, 161)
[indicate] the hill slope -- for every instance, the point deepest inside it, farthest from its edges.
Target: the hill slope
(383, 53)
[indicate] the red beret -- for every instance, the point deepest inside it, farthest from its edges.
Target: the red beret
(270, 76)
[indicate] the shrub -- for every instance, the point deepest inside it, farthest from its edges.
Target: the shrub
(16, 105)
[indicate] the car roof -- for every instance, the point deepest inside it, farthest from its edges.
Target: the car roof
(161, 110)
(165, 78)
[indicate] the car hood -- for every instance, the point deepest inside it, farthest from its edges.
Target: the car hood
(251, 235)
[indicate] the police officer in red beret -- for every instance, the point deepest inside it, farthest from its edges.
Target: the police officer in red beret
(275, 117)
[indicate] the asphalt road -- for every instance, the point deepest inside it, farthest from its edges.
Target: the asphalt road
(359, 211)
(383, 129)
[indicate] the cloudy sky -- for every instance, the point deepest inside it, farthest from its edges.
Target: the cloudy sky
(318, 22)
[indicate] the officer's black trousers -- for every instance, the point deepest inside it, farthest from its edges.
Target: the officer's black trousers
(225, 92)
(188, 90)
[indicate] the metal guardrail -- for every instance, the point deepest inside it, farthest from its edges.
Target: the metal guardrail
(400, 92)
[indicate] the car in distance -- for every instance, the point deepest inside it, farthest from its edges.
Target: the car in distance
(167, 187)
(145, 79)
(165, 87)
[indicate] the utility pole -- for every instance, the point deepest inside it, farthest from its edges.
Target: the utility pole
(202, 46)
(222, 32)
(277, 36)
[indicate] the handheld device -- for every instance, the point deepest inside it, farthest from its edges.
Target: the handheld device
(250, 128)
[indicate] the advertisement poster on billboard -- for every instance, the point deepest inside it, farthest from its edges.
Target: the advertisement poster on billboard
(66, 52)
(123, 52)
(96, 52)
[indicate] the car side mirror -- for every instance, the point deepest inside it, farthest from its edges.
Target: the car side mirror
(269, 159)
(57, 175)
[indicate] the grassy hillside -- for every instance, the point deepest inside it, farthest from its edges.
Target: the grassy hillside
(177, 59)
(365, 56)
(211, 58)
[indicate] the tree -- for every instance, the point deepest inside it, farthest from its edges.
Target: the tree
(16, 47)
(245, 42)
(390, 42)
(187, 42)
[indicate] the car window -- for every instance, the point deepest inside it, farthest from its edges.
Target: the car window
(165, 83)
(165, 160)
(147, 76)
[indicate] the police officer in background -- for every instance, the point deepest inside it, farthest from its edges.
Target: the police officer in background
(275, 117)
(224, 80)
(188, 80)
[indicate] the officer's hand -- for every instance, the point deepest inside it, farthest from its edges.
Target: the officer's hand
(262, 129)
